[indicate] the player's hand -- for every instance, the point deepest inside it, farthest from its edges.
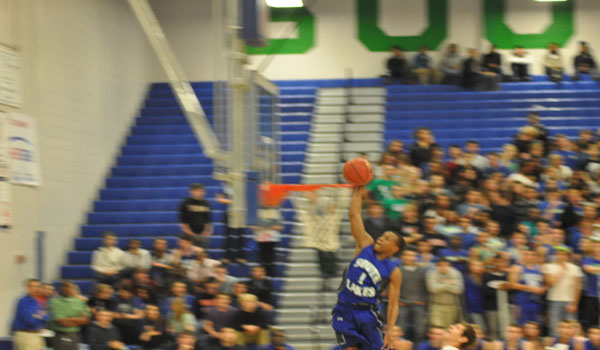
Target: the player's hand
(388, 341)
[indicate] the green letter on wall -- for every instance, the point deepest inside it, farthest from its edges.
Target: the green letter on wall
(375, 39)
(306, 33)
(498, 33)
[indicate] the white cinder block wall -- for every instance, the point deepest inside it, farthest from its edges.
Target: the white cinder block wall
(85, 68)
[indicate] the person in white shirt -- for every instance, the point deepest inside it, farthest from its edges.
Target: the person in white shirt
(135, 258)
(203, 267)
(107, 260)
(564, 280)
(519, 63)
(459, 336)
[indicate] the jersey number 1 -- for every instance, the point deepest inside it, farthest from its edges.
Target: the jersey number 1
(362, 278)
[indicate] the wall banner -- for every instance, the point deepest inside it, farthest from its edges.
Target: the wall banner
(23, 151)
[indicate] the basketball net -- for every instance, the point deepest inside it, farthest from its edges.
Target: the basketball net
(319, 209)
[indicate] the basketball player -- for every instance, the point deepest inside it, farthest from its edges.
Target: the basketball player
(355, 320)
(459, 337)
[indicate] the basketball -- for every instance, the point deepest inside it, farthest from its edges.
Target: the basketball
(358, 172)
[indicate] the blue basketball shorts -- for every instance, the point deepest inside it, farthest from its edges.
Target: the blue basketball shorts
(357, 327)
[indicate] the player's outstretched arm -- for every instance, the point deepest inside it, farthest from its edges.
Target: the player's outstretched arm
(357, 226)
(392, 311)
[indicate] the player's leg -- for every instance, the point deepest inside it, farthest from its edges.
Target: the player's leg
(343, 322)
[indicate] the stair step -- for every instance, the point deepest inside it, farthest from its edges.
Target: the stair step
(355, 91)
(350, 100)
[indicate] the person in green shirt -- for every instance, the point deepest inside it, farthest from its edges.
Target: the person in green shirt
(67, 314)
(381, 187)
(394, 207)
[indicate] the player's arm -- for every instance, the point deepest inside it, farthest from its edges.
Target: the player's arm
(357, 226)
(392, 311)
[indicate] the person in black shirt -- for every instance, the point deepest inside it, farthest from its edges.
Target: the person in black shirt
(228, 340)
(195, 216)
(102, 335)
(103, 299)
(250, 322)
(422, 148)
(585, 63)
(492, 62)
(376, 223)
(397, 66)
(260, 285)
(497, 272)
(154, 334)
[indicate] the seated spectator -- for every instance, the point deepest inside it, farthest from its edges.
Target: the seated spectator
(585, 63)
(154, 330)
(218, 317)
(474, 78)
(492, 61)
(107, 261)
(495, 166)
(553, 63)
(532, 334)
(593, 341)
(185, 341)
(186, 254)
(135, 258)
(519, 63)
(450, 64)
(563, 172)
(195, 216)
(387, 158)
(398, 340)
(251, 322)
(436, 337)
(472, 156)
(509, 157)
(179, 290)
(162, 260)
(228, 340)
(410, 225)
(397, 67)
(513, 338)
(226, 282)
(423, 66)
(102, 335)
(239, 288)
(394, 207)
(128, 315)
(444, 285)
(102, 299)
(202, 268)
(67, 314)
(144, 287)
(472, 204)
(277, 341)
(421, 149)
(564, 336)
(376, 223)
(207, 297)
(261, 286)
(180, 319)
(30, 318)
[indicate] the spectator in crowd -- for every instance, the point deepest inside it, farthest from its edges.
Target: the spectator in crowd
(202, 268)
(381, 187)
(135, 258)
(532, 334)
(239, 288)
(565, 334)
(474, 297)
(472, 156)
(251, 322)
(207, 296)
(278, 341)
(436, 337)
(30, 318)
(584, 63)
(107, 261)
(527, 280)
(154, 329)
(553, 63)
(234, 236)
(195, 216)
(261, 286)
(67, 314)
(228, 340)
(513, 338)
(226, 281)
(455, 253)
(593, 341)
(179, 290)
(376, 222)
(496, 272)
(102, 299)
(185, 341)
(564, 285)
(451, 64)
(218, 317)
(459, 336)
(475, 78)
(394, 207)
(396, 148)
(398, 340)
(161, 262)
(129, 314)
(445, 285)
(492, 61)
(397, 67)
(102, 335)
(589, 311)
(423, 66)
(180, 320)
(519, 63)
(186, 254)
(421, 149)
(412, 315)
(267, 234)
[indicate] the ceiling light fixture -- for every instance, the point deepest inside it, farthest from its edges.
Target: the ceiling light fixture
(284, 3)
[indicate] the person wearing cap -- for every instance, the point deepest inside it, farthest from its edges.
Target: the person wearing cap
(564, 287)
(30, 318)
(195, 216)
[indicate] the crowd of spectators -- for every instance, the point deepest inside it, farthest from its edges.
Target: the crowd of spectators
(482, 72)
(524, 221)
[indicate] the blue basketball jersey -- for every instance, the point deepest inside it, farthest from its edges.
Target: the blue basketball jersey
(531, 277)
(364, 277)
